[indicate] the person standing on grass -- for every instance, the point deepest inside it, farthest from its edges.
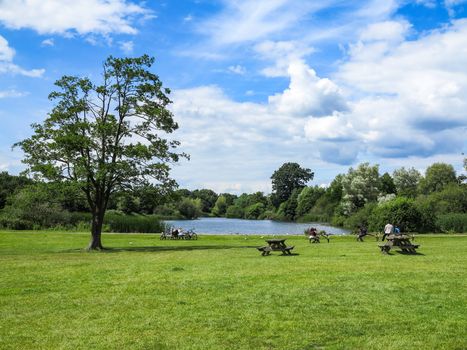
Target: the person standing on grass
(388, 229)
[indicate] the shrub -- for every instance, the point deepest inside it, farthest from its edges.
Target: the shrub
(400, 211)
(361, 217)
(456, 222)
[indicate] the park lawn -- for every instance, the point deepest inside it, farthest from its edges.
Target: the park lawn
(220, 293)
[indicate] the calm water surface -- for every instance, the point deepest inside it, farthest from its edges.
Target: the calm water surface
(221, 226)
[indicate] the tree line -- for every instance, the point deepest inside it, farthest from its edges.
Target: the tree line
(434, 201)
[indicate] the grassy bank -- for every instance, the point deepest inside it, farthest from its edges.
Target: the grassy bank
(220, 293)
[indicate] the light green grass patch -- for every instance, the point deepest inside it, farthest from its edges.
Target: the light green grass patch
(220, 293)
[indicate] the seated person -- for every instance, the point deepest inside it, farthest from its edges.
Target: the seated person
(362, 233)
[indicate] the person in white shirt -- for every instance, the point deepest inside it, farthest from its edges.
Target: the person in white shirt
(388, 229)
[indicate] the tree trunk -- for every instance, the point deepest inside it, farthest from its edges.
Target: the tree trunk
(96, 230)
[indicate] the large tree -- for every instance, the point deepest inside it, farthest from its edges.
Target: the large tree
(106, 137)
(437, 177)
(288, 177)
(406, 181)
(360, 186)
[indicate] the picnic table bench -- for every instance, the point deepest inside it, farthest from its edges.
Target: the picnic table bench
(275, 245)
(401, 242)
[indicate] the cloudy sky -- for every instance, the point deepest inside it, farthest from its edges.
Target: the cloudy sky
(328, 84)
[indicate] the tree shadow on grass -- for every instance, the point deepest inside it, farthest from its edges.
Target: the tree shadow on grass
(163, 248)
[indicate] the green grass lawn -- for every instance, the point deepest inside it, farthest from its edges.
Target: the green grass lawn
(220, 293)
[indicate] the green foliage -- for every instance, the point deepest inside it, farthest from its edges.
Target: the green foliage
(401, 212)
(128, 203)
(35, 206)
(360, 186)
(288, 177)
(254, 211)
(287, 210)
(361, 217)
(437, 177)
(307, 199)
(208, 199)
(406, 181)
(452, 199)
(220, 207)
(454, 222)
(122, 223)
(87, 138)
(387, 184)
(190, 208)
(9, 184)
(235, 212)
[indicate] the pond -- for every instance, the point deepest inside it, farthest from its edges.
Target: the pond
(223, 226)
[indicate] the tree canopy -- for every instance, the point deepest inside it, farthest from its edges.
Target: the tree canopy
(288, 177)
(106, 137)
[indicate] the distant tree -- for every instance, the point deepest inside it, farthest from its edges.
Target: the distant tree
(328, 203)
(36, 206)
(288, 177)
(387, 184)
(406, 181)
(437, 177)
(128, 203)
(208, 199)
(307, 199)
(220, 207)
(190, 208)
(235, 211)
(360, 186)
(106, 138)
(254, 211)
(9, 184)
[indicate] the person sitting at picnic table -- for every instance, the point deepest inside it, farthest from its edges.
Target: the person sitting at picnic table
(181, 234)
(388, 229)
(312, 232)
(397, 230)
(362, 233)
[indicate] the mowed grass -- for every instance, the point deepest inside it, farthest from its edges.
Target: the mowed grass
(220, 293)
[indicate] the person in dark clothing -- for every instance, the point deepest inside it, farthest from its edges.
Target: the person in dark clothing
(362, 233)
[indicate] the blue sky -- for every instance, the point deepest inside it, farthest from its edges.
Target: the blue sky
(328, 84)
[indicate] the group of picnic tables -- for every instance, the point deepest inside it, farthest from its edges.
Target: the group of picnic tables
(402, 242)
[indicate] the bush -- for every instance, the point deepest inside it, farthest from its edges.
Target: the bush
(452, 222)
(401, 212)
(361, 217)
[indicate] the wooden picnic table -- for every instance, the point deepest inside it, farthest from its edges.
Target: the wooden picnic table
(275, 245)
(401, 242)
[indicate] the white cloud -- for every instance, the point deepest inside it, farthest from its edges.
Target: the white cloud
(6, 62)
(307, 94)
(237, 69)
(11, 93)
(126, 46)
(188, 18)
(282, 53)
(390, 31)
(246, 21)
(48, 42)
(71, 16)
